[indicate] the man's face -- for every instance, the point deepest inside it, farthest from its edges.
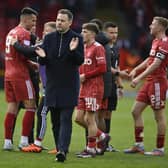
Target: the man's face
(62, 22)
(87, 35)
(155, 27)
(30, 21)
(112, 33)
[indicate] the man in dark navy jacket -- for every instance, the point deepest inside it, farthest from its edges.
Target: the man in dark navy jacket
(62, 54)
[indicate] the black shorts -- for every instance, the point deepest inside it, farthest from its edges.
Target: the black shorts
(112, 100)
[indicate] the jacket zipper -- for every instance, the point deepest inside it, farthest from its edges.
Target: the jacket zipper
(59, 52)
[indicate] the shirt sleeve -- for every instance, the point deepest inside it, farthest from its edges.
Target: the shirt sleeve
(162, 51)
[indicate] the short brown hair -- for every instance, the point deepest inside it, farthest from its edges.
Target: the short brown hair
(162, 21)
(67, 12)
(91, 27)
(109, 24)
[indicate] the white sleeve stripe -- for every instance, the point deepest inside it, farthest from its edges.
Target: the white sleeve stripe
(29, 89)
(162, 50)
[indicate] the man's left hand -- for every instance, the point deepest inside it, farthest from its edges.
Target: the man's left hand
(74, 43)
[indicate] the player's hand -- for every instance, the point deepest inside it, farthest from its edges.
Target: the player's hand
(74, 43)
(124, 74)
(120, 92)
(40, 52)
(134, 82)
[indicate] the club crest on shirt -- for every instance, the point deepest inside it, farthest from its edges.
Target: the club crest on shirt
(152, 52)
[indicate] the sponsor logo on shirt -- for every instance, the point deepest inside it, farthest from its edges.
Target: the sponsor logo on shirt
(160, 55)
(87, 61)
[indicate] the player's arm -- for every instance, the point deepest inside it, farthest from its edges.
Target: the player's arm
(90, 74)
(28, 51)
(101, 63)
(150, 69)
(160, 56)
(138, 68)
(97, 71)
(156, 63)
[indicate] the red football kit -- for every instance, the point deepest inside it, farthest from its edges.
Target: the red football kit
(154, 90)
(92, 89)
(18, 85)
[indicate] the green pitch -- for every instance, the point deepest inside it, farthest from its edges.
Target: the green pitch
(122, 137)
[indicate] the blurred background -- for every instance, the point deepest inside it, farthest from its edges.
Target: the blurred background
(132, 16)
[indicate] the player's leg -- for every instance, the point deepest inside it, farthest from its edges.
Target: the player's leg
(27, 122)
(27, 96)
(160, 118)
(94, 134)
(112, 104)
(79, 118)
(158, 98)
(9, 124)
(137, 110)
(34, 75)
(100, 120)
(11, 113)
(41, 129)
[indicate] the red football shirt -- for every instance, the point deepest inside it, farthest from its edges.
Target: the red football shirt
(16, 65)
(159, 50)
(94, 57)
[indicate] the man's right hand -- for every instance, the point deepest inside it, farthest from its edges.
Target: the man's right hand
(40, 52)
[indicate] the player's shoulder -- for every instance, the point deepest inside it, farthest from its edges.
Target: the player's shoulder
(19, 32)
(98, 45)
(163, 43)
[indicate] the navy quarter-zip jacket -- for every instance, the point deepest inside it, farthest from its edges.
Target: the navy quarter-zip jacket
(62, 69)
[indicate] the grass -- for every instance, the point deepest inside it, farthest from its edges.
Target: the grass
(122, 137)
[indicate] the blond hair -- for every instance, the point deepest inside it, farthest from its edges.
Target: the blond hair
(162, 21)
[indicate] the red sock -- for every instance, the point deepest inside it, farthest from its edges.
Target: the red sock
(28, 122)
(8, 124)
(92, 142)
(139, 134)
(99, 132)
(160, 141)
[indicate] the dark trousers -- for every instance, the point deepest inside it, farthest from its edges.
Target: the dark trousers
(61, 119)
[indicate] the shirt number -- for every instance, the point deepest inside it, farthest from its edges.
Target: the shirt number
(8, 42)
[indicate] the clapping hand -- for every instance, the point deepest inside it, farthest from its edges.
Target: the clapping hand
(74, 43)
